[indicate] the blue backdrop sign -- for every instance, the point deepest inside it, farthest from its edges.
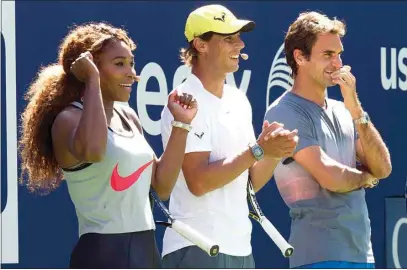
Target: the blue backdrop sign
(40, 232)
(396, 233)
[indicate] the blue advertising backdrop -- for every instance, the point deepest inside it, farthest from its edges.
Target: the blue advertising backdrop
(375, 47)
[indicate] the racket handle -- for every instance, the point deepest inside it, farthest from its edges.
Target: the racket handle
(282, 244)
(195, 237)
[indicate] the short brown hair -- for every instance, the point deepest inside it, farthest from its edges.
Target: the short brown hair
(189, 55)
(303, 33)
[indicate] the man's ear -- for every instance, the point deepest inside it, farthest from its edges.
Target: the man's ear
(200, 45)
(299, 57)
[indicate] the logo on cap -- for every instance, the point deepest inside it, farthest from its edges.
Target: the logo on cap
(221, 18)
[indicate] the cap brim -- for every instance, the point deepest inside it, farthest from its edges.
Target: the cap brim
(247, 26)
(240, 26)
(235, 27)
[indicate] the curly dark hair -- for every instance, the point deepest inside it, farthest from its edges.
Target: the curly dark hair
(303, 33)
(52, 90)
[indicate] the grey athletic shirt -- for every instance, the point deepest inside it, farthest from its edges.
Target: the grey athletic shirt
(326, 226)
(112, 196)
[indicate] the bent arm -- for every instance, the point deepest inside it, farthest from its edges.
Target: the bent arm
(202, 176)
(262, 171)
(166, 168)
(169, 165)
(329, 173)
(82, 134)
(372, 151)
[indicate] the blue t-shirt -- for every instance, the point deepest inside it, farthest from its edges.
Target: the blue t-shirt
(326, 226)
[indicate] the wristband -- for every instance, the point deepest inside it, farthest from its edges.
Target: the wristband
(178, 124)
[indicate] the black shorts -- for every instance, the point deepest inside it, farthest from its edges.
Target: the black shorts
(193, 257)
(122, 250)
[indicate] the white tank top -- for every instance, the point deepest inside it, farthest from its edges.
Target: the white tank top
(112, 196)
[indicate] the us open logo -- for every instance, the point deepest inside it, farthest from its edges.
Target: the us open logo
(280, 75)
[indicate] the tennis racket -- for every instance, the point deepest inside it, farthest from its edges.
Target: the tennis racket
(183, 229)
(258, 215)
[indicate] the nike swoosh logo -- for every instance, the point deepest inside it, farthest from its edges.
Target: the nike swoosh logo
(120, 183)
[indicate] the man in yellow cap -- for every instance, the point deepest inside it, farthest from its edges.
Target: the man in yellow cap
(221, 151)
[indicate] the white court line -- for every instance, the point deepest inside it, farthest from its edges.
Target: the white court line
(9, 217)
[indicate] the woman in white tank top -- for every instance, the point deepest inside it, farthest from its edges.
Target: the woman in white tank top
(72, 129)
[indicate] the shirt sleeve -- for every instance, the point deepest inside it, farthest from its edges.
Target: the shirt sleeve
(293, 119)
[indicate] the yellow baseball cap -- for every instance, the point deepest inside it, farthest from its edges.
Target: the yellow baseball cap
(214, 18)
